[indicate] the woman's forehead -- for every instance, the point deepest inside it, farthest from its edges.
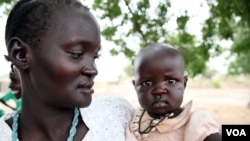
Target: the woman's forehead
(63, 16)
(73, 24)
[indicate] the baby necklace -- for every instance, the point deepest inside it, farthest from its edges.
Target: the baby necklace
(136, 125)
(72, 130)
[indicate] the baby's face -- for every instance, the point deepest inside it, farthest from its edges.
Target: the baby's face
(160, 83)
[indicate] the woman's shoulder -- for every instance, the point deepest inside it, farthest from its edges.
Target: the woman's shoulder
(5, 130)
(108, 117)
(116, 103)
(113, 99)
(117, 108)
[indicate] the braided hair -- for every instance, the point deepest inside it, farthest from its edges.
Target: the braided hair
(30, 19)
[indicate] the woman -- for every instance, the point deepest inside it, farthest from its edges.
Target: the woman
(54, 44)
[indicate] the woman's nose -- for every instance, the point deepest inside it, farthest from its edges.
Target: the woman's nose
(90, 70)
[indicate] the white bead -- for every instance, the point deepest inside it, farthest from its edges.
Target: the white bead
(171, 114)
(153, 129)
(136, 118)
(135, 126)
(137, 133)
(155, 121)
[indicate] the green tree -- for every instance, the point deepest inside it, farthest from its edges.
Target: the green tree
(5, 1)
(7, 4)
(140, 22)
(126, 21)
(230, 20)
(132, 25)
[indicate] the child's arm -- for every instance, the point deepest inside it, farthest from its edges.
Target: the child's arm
(4, 103)
(8, 96)
(213, 137)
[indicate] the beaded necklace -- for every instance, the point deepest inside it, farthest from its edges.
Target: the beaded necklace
(136, 125)
(72, 131)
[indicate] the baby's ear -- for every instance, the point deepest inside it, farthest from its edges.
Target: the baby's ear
(6, 58)
(185, 81)
(18, 53)
(133, 82)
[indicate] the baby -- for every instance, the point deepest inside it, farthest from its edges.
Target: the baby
(159, 84)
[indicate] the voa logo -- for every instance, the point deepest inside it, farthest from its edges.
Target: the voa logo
(236, 132)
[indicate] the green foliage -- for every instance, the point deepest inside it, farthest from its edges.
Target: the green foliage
(129, 70)
(230, 20)
(139, 21)
(132, 25)
(216, 83)
(7, 4)
(5, 1)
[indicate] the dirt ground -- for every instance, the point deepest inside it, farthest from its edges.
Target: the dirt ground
(226, 105)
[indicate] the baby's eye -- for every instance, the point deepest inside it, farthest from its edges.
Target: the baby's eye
(171, 81)
(147, 83)
(76, 54)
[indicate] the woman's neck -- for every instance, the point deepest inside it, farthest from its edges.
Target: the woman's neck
(45, 123)
(38, 121)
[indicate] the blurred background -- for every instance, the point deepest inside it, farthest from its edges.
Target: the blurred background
(213, 36)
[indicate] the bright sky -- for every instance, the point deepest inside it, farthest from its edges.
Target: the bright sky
(111, 66)
(4, 66)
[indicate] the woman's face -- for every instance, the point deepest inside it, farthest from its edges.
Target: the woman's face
(62, 67)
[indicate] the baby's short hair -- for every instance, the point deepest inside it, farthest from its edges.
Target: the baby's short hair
(159, 47)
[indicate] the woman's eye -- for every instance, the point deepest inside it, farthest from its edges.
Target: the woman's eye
(76, 54)
(171, 81)
(147, 83)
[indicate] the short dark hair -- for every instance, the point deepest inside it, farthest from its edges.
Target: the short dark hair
(159, 47)
(29, 19)
(150, 51)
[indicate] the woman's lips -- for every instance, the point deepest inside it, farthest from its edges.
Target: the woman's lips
(86, 88)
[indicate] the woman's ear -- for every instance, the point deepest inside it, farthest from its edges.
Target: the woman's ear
(185, 81)
(18, 53)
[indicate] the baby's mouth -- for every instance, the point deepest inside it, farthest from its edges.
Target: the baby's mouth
(160, 104)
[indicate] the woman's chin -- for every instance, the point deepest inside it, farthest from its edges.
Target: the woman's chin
(85, 103)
